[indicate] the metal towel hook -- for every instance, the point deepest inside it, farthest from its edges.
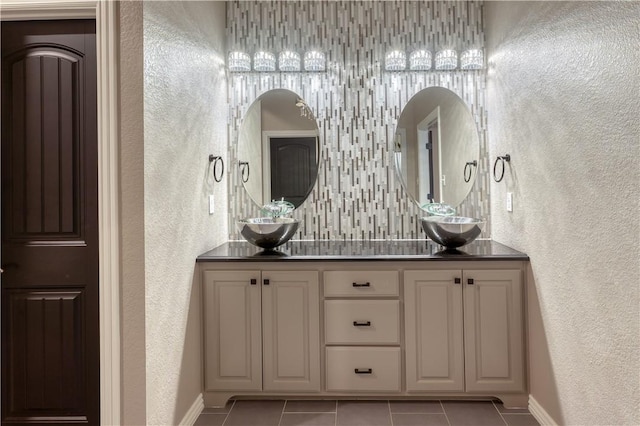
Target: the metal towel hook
(215, 159)
(469, 166)
(505, 158)
(244, 170)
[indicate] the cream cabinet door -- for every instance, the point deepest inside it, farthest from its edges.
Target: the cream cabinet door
(232, 330)
(433, 330)
(494, 330)
(291, 331)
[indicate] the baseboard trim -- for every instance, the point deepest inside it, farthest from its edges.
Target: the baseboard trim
(540, 413)
(194, 412)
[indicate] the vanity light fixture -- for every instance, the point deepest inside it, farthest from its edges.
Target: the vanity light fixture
(264, 61)
(239, 62)
(420, 60)
(314, 60)
(396, 60)
(472, 59)
(446, 60)
(305, 111)
(289, 61)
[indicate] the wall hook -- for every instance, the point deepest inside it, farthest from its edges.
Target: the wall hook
(469, 166)
(216, 159)
(505, 158)
(244, 170)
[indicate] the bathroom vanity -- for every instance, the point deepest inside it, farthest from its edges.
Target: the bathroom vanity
(364, 319)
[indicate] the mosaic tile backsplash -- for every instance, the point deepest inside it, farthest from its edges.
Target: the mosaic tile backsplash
(356, 104)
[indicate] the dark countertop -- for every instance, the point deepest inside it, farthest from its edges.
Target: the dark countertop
(393, 250)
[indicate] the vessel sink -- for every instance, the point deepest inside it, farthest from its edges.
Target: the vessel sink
(268, 232)
(452, 231)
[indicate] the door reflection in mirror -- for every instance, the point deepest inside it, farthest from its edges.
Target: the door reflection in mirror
(279, 142)
(436, 137)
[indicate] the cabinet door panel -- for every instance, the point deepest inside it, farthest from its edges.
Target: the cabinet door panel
(494, 331)
(232, 315)
(433, 331)
(291, 340)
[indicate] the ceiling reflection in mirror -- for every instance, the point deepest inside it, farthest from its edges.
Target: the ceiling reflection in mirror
(436, 148)
(278, 148)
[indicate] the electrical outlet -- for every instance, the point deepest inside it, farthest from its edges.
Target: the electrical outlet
(509, 201)
(211, 204)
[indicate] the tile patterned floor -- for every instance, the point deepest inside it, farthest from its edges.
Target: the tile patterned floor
(364, 413)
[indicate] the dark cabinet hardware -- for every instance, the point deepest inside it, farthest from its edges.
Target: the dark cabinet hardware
(470, 281)
(362, 285)
(457, 280)
(362, 323)
(363, 371)
(254, 281)
(266, 282)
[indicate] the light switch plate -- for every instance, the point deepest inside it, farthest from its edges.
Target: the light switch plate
(509, 201)
(211, 204)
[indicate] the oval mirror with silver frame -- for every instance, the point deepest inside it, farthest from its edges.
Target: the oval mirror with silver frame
(278, 148)
(436, 148)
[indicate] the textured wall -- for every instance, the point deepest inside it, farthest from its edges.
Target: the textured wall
(184, 122)
(563, 88)
(356, 103)
(132, 261)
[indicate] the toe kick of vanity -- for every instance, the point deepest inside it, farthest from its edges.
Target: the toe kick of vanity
(400, 329)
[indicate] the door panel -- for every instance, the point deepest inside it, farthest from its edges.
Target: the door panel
(50, 306)
(232, 330)
(434, 331)
(291, 340)
(293, 168)
(44, 344)
(494, 331)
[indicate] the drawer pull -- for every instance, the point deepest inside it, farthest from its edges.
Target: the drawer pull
(362, 323)
(363, 371)
(367, 284)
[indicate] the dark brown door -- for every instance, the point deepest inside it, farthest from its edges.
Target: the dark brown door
(50, 321)
(294, 167)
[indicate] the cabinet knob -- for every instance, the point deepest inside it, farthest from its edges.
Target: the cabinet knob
(362, 323)
(265, 282)
(363, 371)
(367, 284)
(470, 281)
(457, 280)
(254, 281)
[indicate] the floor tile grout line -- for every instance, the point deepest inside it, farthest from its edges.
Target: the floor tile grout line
(335, 420)
(233, 404)
(282, 412)
(390, 415)
(499, 413)
(445, 412)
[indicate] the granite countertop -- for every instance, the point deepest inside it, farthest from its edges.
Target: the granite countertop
(392, 250)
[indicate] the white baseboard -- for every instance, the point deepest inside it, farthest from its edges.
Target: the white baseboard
(192, 415)
(540, 413)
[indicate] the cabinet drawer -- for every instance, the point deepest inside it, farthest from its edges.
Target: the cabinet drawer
(363, 369)
(370, 322)
(360, 283)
